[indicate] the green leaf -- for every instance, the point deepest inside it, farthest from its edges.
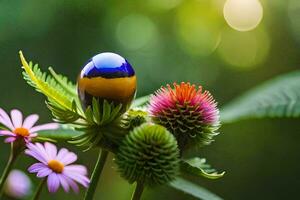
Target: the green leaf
(141, 101)
(193, 189)
(61, 134)
(198, 166)
(61, 103)
(278, 97)
(64, 82)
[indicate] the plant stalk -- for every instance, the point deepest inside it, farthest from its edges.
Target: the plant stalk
(39, 189)
(96, 174)
(137, 194)
(14, 152)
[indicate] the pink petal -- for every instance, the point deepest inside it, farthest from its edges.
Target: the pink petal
(36, 167)
(5, 120)
(32, 135)
(51, 150)
(6, 133)
(72, 184)
(41, 149)
(53, 182)
(64, 183)
(69, 158)
(83, 180)
(77, 169)
(44, 172)
(36, 155)
(10, 139)
(49, 126)
(16, 117)
(30, 121)
(62, 153)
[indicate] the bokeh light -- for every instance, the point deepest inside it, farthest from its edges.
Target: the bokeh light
(198, 27)
(294, 18)
(136, 31)
(244, 50)
(243, 15)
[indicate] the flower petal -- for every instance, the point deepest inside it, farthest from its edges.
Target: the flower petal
(72, 184)
(16, 117)
(44, 172)
(62, 153)
(6, 133)
(30, 121)
(53, 182)
(5, 120)
(64, 183)
(69, 158)
(36, 167)
(77, 169)
(10, 139)
(48, 126)
(83, 180)
(36, 155)
(51, 150)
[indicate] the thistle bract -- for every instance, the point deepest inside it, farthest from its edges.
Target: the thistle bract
(148, 154)
(190, 113)
(107, 76)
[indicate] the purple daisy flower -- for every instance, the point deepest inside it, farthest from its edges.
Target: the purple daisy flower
(55, 165)
(19, 129)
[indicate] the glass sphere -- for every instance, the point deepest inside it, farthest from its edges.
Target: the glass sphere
(107, 76)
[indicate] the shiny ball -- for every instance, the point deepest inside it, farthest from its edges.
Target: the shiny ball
(107, 76)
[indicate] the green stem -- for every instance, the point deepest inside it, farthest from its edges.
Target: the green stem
(11, 160)
(138, 191)
(38, 191)
(96, 174)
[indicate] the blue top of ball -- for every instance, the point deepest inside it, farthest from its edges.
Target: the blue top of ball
(107, 65)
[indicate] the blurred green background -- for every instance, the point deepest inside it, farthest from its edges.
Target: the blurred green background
(167, 41)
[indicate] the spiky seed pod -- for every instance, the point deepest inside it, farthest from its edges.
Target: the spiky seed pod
(187, 112)
(133, 118)
(148, 154)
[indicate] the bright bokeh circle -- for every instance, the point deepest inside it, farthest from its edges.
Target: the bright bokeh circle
(243, 15)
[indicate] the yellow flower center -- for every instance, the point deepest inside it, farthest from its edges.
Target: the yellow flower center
(56, 166)
(24, 132)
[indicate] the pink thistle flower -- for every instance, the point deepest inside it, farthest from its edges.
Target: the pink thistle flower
(55, 165)
(190, 113)
(19, 129)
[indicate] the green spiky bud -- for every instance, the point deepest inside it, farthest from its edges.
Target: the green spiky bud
(133, 118)
(148, 154)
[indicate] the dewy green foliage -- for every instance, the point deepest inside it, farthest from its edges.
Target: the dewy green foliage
(198, 166)
(278, 97)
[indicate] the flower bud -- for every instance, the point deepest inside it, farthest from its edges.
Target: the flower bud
(148, 154)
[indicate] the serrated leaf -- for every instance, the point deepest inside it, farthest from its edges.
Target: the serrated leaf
(60, 102)
(278, 97)
(193, 189)
(198, 166)
(64, 82)
(61, 134)
(141, 101)
(45, 84)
